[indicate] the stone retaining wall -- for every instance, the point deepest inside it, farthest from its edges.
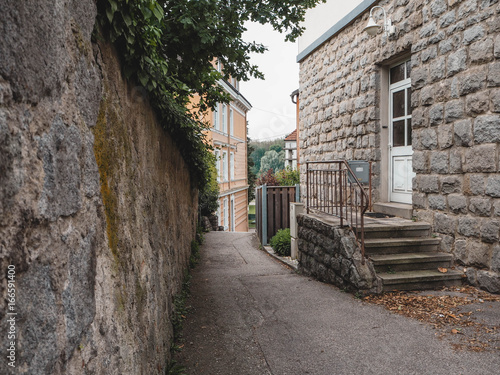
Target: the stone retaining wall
(97, 213)
(454, 47)
(331, 254)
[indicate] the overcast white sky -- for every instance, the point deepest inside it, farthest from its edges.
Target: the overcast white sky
(273, 113)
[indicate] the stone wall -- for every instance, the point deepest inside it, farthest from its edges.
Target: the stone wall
(455, 56)
(331, 254)
(96, 209)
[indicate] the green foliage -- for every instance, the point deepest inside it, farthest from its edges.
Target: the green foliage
(174, 368)
(259, 148)
(268, 178)
(251, 175)
(256, 155)
(169, 46)
(195, 254)
(272, 160)
(200, 237)
(288, 177)
(181, 309)
(276, 147)
(208, 198)
(137, 28)
(282, 242)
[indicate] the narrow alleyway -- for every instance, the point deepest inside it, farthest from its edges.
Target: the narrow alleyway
(252, 315)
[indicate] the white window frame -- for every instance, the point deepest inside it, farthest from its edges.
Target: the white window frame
(226, 214)
(217, 164)
(231, 165)
(233, 214)
(224, 118)
(224, 166)
(231, 121)
(216, 117)
(219, 216)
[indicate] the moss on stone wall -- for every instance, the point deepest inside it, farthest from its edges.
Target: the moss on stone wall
(82, 45)
(113, 153)
(105, 154)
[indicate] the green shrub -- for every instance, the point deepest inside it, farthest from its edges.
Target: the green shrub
(208, 198)
(282, 242)
(288, 177)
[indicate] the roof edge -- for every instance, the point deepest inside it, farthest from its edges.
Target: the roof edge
(235, 94)
(350, 17)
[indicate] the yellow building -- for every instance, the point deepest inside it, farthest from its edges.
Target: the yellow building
(228, 134)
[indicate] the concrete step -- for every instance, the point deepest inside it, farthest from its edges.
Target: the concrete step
(395, 209)
(391, 263)
(398, 231)
(420, 280)
(401, 245)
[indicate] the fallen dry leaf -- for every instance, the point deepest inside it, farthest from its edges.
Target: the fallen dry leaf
(442, 270)
(441, 312)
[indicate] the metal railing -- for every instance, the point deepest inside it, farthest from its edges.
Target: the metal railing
(333, 189)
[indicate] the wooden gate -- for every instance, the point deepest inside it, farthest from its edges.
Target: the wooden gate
(272, 209)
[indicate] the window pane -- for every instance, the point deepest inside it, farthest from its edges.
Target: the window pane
(398, 104)
(398, 133)
(408, 101)
(408, 132)
(408, 69)
(398, 73)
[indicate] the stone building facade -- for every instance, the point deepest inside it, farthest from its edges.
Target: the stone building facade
(431, 91)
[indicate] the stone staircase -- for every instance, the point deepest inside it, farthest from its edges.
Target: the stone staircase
(406, 256)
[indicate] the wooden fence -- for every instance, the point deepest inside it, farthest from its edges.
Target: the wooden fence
(272, 209)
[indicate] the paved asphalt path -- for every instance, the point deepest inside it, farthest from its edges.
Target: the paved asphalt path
(252, 315)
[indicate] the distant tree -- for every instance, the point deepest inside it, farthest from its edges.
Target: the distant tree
(288, 177)
(267, 178)
(276, 147)
(272, 160)
(251, 175)
(256, 155)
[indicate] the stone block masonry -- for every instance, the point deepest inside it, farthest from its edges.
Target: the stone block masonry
(454, 47)
(331, 254)
(97, 212)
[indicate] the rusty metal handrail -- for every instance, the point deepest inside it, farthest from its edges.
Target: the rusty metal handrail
(335, 190)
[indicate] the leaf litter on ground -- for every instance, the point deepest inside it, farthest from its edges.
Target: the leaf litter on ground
(445, 311)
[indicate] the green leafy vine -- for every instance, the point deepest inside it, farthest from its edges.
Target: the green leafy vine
(136, 28)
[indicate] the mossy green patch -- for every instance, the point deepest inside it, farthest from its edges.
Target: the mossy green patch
(82, 45)
(111, 148)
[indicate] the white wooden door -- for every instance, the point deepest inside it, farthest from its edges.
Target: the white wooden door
(400, 149)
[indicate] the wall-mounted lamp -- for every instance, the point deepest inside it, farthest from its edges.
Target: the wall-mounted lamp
(372, 27)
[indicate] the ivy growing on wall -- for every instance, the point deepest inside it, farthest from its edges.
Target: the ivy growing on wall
(169, 46)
